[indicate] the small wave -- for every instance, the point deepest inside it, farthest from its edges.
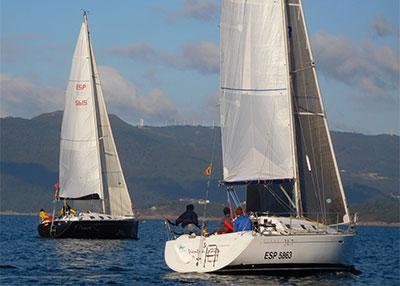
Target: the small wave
(117, 269)
(6, 266)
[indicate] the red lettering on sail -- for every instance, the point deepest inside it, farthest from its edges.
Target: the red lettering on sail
(81, 102)
(80, 86)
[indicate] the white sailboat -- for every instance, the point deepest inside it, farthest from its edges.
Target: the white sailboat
(275, 143)
(90, 170)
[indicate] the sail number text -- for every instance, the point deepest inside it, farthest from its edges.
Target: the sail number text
(278, 255)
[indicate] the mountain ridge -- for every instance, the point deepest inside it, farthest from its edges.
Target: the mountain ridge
(164, 164)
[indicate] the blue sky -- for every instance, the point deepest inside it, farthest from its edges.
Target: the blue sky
(159, 59)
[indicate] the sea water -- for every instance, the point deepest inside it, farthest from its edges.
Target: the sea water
(27, 259)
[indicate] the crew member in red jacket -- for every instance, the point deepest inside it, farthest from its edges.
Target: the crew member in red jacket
(226, 223)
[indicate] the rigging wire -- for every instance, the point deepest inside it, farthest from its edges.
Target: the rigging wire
(278, 199)
(209, 178)
(203, 225)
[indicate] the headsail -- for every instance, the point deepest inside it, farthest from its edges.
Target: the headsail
(118, 201)
(80, 171)
(257, 139)
(322, 193)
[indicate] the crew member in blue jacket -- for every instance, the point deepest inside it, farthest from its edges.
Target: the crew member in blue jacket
(242, 221)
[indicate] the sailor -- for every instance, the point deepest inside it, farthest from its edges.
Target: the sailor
(242, 221)
(43, 215)
(226, 223)
(67, 210)
(188, 220)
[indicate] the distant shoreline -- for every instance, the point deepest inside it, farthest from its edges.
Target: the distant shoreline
(158, 217)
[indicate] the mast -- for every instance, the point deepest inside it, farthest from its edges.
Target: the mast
(96, 113)
(296, 182)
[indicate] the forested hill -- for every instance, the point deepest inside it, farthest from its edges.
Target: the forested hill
(165, 164)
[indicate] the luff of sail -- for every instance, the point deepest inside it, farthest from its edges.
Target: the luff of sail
(118, 201)
(79, 164)
(322, 194)
(257, 139)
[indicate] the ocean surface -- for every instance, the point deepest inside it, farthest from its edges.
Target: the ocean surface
(27, 259)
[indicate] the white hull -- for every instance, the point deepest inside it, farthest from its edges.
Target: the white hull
(246, 251)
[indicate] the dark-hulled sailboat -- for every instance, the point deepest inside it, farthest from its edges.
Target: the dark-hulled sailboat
(90, 171)
(276, 144)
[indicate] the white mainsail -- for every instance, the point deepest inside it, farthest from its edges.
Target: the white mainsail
(257, 136)
(89, 162)
(80, 172)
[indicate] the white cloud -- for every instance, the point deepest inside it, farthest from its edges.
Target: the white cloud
(123, 99)
(372, 70)
(24, 98)
(201, 56)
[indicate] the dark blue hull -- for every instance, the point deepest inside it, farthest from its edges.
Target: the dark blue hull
(89, 229)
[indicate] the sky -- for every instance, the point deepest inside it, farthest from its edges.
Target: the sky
(159, 59)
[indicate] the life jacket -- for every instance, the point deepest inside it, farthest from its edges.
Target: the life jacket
(43, 215)
(228, 226)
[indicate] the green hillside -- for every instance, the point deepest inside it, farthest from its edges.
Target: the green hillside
(164, 164)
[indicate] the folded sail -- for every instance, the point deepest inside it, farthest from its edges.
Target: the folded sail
(257, 139)
(80, 173)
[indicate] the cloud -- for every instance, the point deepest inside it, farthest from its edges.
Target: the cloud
(201, 56)
(372, 70)
(205, 10)
(381, 27)
(201, 10)
(24, 98)
(123, 99)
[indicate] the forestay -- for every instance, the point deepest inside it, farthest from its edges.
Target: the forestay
(257, 138)
(79, 164)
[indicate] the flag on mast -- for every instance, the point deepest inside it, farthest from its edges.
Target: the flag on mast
(207, 171)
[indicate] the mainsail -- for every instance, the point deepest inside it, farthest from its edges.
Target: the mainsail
(80, 170)
(272, 119)
(107, 180)
(256, 124)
